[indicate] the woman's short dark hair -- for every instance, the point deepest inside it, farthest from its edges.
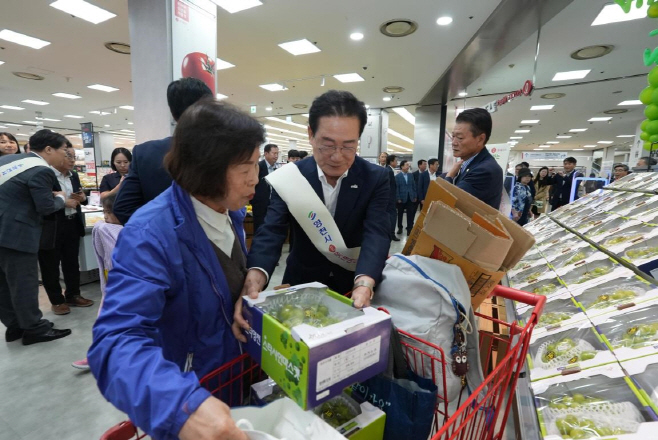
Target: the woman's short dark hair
(524, 172)
(337, 103)
(210, 137)
(120, 150)
(12, 138)
(46, 138)
(480, 121)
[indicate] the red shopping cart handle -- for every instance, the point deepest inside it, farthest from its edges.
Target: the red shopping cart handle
(123, 431)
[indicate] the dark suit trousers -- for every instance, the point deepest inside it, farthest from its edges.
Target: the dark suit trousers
(410, 207)
(67, 248)
(19, 292)
(391, 216)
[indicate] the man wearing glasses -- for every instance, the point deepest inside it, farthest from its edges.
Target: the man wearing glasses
(336, 204)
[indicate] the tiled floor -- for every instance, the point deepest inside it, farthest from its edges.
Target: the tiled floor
(43, 397)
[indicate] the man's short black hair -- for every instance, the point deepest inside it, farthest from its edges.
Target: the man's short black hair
(46, 138)
(293, 153)
(120, 150)
(432, 162)
(303, 154)
(525, 164)
(420, 162)
(337, 103)
(403, 162)
(480, 121)
(269, 147)
(519, 165)
(390, 159)
(184, 92)
(622, 166)
(570, 160)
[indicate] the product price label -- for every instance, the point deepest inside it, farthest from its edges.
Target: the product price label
(347, 363)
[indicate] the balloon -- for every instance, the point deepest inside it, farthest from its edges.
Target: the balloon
(645, 136)
(653, 11)
(646, 95)
(643, 125)
(651, 112)
(647, 146)
(653, 77)
(652, 127)
(653, 138)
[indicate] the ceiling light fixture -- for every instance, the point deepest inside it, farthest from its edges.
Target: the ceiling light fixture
(626, 136)
(544, 146)
(574, 74)
(47, 119)
(393, 89)
(22, 39)
(11, 107)
(221, 64)
(30, 122)
(577, 149)
(32, 101)
(83, 10)
(444, 21)
(273, 87)
(299, 47)
(399, 27)
(386, 98)
(67, 95)
(542, 107)
(631, 102)
(521, 131)
(464, 93)
(538, 149)
(13, 125)
(405, 114)
(601, 119)
(120, 48)
(322, 82)
(591, 52)
(348, 77)
(399, 146)
(577, 130)
(269, 109)
(563, 137)
(219, 96)
(401, 136)
(613, 13)
(553, 95)
(516, 137)
(283, 121)
(590, 146)
(356, 36)
(233, 6)
(605, 142)
(98, 112)
(127, 107)
(615, 111)
(73, 116)
(102, 88)
(529, 121)
(553, 142)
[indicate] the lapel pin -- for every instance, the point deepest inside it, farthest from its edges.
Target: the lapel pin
(354, 186)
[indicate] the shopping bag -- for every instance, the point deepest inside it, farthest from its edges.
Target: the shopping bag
(408, 400)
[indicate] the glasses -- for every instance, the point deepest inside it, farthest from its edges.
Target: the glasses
(345, 151)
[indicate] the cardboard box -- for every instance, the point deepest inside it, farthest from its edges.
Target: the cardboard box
(450, 225)
(314, 364)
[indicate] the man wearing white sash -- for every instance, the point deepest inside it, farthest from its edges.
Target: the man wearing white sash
(335, 203)
(26, 195)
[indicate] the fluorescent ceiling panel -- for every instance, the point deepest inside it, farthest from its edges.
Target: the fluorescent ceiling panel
(590, 146)
(521, 131)
(127, 107)
(405, 114)
(400, 136)
(272, 87)
(67, 95)
(11, 107)
(626, 136)
(13, 125)
(84, 10)
(542, 107)
(553, 142)
(400, 147)
(299, 47)
(577, 149)
(283, 121)
(219, 96)
(32, 101)
(562, 137)
(577, 130)
(574, 74)
(530, 121)
(349, 77)
(102, 88)
(601, 119)
(73, 116)
(221, 64)
(605, 142)
(23, 40)
(233, 6)
(516, 137)
(613, 13)
(98, 112)
(631, 102)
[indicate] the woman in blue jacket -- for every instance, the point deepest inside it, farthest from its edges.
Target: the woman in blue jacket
(178, 269)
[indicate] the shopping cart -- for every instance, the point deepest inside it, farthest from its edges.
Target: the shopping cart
(482, 416)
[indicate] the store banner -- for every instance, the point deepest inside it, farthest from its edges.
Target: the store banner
(500, 152)
(546, 155)
(194, 40)
(87, 129)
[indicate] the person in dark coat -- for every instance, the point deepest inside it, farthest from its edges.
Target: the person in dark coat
(563, 182)
(391, 164)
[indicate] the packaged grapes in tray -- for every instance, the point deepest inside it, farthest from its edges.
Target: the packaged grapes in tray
(568, 350)
(644, 374)
(313, 343)
(562, 249)
(527, 263)
(630, 333)
(531, 276)
(618, 294)
(610, 226)
(642, 252)
(547, 287)
(560, 237)
(597, 403)
(592, 272)
(561, 311)
(617, 199)
(645, 209)
(591, 222)
(577, 257)
(623, 239)
(642, 181)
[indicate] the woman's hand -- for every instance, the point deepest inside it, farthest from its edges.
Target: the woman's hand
(211, 421)
(253, 285)
(516, 215)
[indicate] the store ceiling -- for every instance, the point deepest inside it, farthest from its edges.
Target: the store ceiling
(77, 58)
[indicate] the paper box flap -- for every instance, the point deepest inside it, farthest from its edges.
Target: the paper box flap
(449, 226)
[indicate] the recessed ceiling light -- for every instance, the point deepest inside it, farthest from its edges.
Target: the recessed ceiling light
(98, 112)
(13, 125)
(530, 121)
(553, 95)
(400, 27)
(299, 47)
(591, 52)
(590, 146)
(219, 96)
(386, 98)
(73, 116)
(538, 149)
(233, 6)
(544, 146)
(393, 89)
(23, 40)
(562, 137)
(11, 107)
(553, 142)
(106, 125)
(405, 114)
(574, 74)
(577, 149)
(605, 142)
(356, 36)
(349, 77)
(616, 111)
(84, 10)
(631, 102)
(613, 13)
(521, 131)
(125, 130)
(21, 134)
(32, 101)
(30, 122)
(47, 119)
(117, 47)
(602, 119)
(444, 21)
(273, 87)
(102, 88)
(577, 130)
(67, 95)
(127, 107)
(130, 123)
(542, 107)
(1, 63)
(401, 136)
(626, 136)
(221, 64)
(516, 137)
(462, 94)
(284, 121)
(399, 146)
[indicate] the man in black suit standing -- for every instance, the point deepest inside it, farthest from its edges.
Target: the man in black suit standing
(391, 164)
(422, 166)
(261, 199)
(563, 182)
(64, 242)
(477, 172)
(147, 178)
(26, 195)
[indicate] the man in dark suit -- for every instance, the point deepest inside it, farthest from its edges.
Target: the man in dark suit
(391, 164)
(563, 182)
(355, 193)
(147, 178)
(261, 199)
(407, 194)
(425, 178)
(26, 195)
(422, 166)
(477, 173)
(64, 242)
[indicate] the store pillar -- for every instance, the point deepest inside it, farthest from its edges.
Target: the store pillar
(429, 133)
(374, 139)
